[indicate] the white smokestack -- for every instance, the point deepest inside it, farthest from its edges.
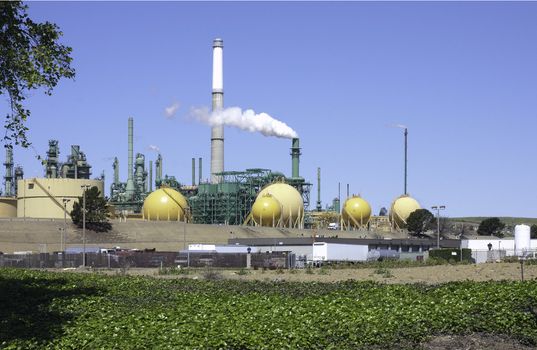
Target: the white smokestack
(245, 120)
(217, 131)
(218, 65)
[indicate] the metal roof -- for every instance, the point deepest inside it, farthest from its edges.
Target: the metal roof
(444, 243)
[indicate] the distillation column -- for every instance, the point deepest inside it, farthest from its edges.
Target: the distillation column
(129, 190)
(9, 174)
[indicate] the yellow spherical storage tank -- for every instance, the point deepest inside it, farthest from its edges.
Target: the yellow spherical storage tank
(291, 204)
(401, 209)
(165, 204)
(356, 212)
(267, 211)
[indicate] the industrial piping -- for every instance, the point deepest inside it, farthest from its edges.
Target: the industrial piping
(217, 131)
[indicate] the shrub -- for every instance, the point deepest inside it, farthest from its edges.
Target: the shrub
(491, 226)
(451, 254)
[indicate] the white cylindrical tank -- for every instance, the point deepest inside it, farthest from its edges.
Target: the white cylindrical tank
(522, 239)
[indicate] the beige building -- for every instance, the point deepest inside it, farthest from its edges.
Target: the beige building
(8, 207)
(44, 198)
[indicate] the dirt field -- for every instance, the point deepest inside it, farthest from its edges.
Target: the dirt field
(425, 274)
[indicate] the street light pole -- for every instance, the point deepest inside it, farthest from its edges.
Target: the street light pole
(438, 208)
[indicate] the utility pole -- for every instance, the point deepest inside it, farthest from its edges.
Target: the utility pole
(84, 188)
(62, 244)
(438, 208)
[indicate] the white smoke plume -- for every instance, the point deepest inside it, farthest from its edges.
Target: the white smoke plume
(245, 120)
(154, 148)
(397, 126)
(170, 111)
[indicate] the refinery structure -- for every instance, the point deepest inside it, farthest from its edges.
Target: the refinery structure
(252, 197)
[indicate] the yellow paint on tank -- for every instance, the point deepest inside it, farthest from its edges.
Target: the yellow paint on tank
(401, 209)
(292, 206)
(266, 211)
(165, 204)
(356, 211)
(8, 207)
(51, 198)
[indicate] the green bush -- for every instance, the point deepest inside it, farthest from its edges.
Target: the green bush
(451, 254)
(173, 271)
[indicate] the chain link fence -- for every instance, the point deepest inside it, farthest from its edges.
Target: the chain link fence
(498, 255)
(129, 259)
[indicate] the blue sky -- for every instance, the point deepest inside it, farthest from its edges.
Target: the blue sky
(462, 76)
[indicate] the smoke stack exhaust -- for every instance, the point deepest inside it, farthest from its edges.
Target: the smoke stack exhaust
(129, 190)
(217, 131)
(295, 158)
(199, 171)
(319, 207)
(193, 171)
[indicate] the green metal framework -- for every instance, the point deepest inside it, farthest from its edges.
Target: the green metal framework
(230, 201)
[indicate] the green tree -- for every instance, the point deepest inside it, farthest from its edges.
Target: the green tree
(418, 221)
(31, 57)
(491, 226)
(97, 213)
(533, 231)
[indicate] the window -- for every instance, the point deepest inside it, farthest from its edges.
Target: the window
(30, 186)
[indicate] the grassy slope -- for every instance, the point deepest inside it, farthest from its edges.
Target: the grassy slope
(505, 219)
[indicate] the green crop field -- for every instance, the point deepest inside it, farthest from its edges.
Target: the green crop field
(92, 311)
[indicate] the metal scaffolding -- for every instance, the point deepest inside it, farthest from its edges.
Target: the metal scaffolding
(229, 202)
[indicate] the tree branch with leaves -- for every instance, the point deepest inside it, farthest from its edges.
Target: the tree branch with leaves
(31, 58)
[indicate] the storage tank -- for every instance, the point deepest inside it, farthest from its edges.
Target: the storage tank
(165, 204)
(292, 206)
(401, 209)
(356, 212)
(51, 198)
(522, 239)
(8, 207)
(267, 211)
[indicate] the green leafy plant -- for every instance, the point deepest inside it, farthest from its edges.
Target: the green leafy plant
(31, 57)
(174, 271)
(44, 310)
(243, 272)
